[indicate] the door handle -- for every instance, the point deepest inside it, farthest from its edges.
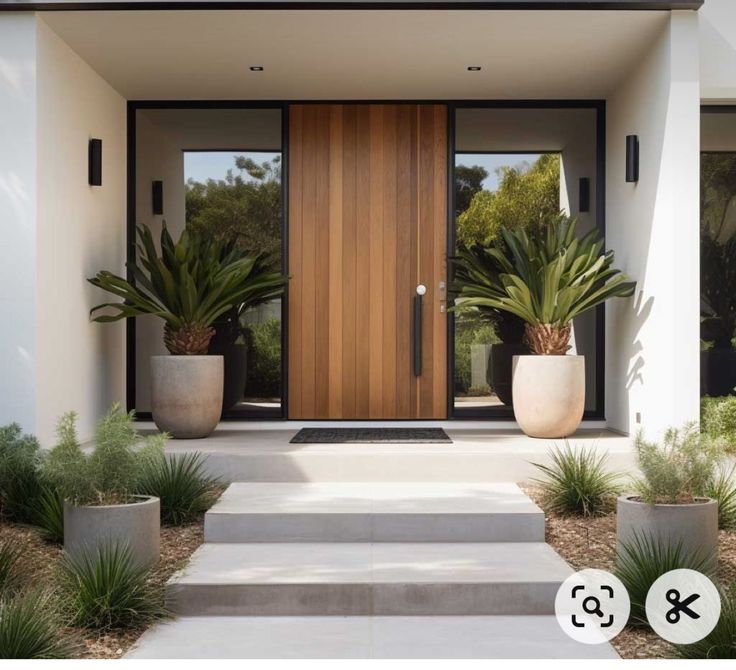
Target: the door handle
(417, 329)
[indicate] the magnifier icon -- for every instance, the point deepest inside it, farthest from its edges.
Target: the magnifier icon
(591, 605)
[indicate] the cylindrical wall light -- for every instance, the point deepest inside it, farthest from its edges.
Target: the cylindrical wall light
(95, 162)
(632, 158)
(157, 197)
(584, 195)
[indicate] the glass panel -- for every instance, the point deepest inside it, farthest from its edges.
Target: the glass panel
(237, 195)
(221, 174)
(718, 273)
(514, 167)
(491, 189)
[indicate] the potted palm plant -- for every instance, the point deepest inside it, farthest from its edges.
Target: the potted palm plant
(670, 503)
(189, 284)
(98, 488)
(545, 276)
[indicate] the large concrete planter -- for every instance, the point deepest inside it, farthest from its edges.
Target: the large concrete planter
(548, 394)
(137, 524)
(186, 394)
(695, 525)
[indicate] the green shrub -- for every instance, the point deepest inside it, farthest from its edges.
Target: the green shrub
(640, 562)
(576, 482)
(470, 329)
(721, 641)
(107, 589)
(47, 514)
(10, 555)
(679, 469)
(718, 418)
(19, 482)
(264, 359)
(181, 484)
(723, 489)
(110, 473)
(30, 628)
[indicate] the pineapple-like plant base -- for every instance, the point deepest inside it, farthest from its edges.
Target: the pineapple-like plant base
(189, 340)
(545, 339)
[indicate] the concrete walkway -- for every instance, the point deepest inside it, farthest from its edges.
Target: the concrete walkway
(370, 569)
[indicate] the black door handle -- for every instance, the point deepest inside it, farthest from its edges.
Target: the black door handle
(417, 330)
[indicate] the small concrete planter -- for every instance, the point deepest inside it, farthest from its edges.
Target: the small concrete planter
(695, 525)
(186, 394)
(136, 524)
(549, 394)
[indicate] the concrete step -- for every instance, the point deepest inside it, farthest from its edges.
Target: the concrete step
(374, 512)
(303, 579)
(237, 454)
(364, 637)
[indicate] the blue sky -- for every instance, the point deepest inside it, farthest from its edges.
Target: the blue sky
(492, 161)
(204, 165)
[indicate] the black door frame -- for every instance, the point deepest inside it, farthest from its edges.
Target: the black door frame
(452, 106)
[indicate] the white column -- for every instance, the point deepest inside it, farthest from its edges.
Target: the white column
(18, 219)
(652, 340)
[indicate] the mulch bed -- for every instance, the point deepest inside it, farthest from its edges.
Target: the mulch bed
(590, 543)
(41, 559)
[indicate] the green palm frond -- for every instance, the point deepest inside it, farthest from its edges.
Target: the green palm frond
(545, 276)
(192, 281)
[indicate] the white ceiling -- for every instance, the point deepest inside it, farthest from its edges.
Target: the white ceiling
(329, 54)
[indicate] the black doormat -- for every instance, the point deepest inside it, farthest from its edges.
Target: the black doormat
(371, 436)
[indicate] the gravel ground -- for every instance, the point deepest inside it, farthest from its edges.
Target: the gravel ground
(40, 561)
(590, 543)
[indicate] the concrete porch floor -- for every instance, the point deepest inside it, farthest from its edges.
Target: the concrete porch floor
(237, 452)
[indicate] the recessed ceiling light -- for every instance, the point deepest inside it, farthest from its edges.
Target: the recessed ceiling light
(474, 68)
(256, 68)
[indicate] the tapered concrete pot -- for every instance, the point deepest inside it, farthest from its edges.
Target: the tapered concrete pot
(548, 394)
(137, 524)
(694, 525)
(186, 394)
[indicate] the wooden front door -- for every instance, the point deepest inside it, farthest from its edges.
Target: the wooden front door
(367, 225)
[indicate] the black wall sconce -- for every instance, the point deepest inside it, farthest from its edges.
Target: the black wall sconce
(157, 197)
(584, 195)
(632, 158)
(95, 163)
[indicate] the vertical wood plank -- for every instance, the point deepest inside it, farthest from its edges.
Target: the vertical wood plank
(376, 254)
(349, 249)
(362, 265)
(296, 170)
(335, 302)
(321, 267)
(390, 236)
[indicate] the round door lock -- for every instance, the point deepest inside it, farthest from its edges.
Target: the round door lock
(421, 289)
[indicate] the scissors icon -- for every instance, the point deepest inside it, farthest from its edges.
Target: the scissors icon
(673, 597)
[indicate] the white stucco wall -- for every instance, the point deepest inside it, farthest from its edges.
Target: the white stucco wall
(80, 230)
(652, 345)
(18, 219)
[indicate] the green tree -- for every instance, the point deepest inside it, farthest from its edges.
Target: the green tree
(245, 205)
(526, 196)
(468, 182)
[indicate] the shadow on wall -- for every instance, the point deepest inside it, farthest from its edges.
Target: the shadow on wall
(641, 310)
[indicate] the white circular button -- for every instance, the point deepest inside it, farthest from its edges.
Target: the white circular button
(421, 289)
(592, 606)
(683, 606)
